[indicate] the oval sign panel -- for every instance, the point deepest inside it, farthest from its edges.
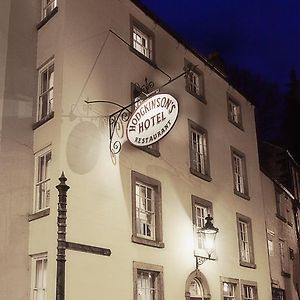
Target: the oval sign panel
(152, 120)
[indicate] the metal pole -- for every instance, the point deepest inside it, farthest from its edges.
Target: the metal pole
(61, 237)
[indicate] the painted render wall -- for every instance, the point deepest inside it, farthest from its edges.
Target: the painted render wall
(284, 232)
(17, 93)
(92, 63)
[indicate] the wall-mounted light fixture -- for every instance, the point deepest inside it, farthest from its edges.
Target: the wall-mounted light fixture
(208, 235)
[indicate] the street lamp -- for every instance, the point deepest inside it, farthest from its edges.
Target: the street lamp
(208, 235)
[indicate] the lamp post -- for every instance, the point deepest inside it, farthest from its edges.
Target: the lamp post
(208, 234)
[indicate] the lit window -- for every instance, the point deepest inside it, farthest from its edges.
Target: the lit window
(45, 97)
(200, 209)
(145, 211)
(194, 83)
(42, 185)
(148, 282)
(229, 291)
(147, 223)
(234, 112)
(199, 160)
(245, 241)
(142, 40)
(39, 275)
(239, 173)
(47, 7)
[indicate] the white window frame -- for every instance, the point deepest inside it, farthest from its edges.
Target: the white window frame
(234, 284)
(46, 96)
(239, 173)
(146, 220)
(194, 81)
(39, 278)
(42, 180)
(248, 290)
(47, 7)
(145, 210)
(245, 240)
(234, 112)
(199, 151)
(148, 281)
(142, 40)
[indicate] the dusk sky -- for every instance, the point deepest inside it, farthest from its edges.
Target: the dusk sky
(261, 36)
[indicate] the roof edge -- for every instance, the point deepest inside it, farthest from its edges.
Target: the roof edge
(179, 39)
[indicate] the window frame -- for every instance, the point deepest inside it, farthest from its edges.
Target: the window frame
(151, 149)
(194, 127)
(40, 119)
(200, 202)
(246, 220)
(149, 268)
(236, 103)
(44, 6)
(135, 23)
(252, 284)
(232, 281)
(45, 209)
(158, 235)
(200, 75)
(242, 157)
(35, 258)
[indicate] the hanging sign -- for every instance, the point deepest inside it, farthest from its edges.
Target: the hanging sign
(152, 120)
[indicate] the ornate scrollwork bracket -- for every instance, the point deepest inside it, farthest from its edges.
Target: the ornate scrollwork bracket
(123, 114)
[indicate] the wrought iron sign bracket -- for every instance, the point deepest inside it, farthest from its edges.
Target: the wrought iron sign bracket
(200, 260)
(124, 112)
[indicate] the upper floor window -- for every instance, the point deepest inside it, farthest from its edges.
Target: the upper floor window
(45, 93)
(148, 281)
(278, 294)
(42, 180)
(142, 40)
(283, 206)
(239, 173)
(39, 277)
(146, 205)
(47, 7)
(284, 258)
(245, 241)
(234, 112)
(199, 160)
(194, 81)
(200, 209)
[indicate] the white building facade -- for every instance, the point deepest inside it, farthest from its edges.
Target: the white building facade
(145, 204)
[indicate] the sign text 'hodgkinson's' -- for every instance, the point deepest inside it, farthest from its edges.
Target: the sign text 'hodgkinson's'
(152, 120)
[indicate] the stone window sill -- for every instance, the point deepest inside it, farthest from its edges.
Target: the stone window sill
(39, 214)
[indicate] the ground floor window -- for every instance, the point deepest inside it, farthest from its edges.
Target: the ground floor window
(196, 287)
(148, 281)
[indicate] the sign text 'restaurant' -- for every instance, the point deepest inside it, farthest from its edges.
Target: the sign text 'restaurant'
(152, 120)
